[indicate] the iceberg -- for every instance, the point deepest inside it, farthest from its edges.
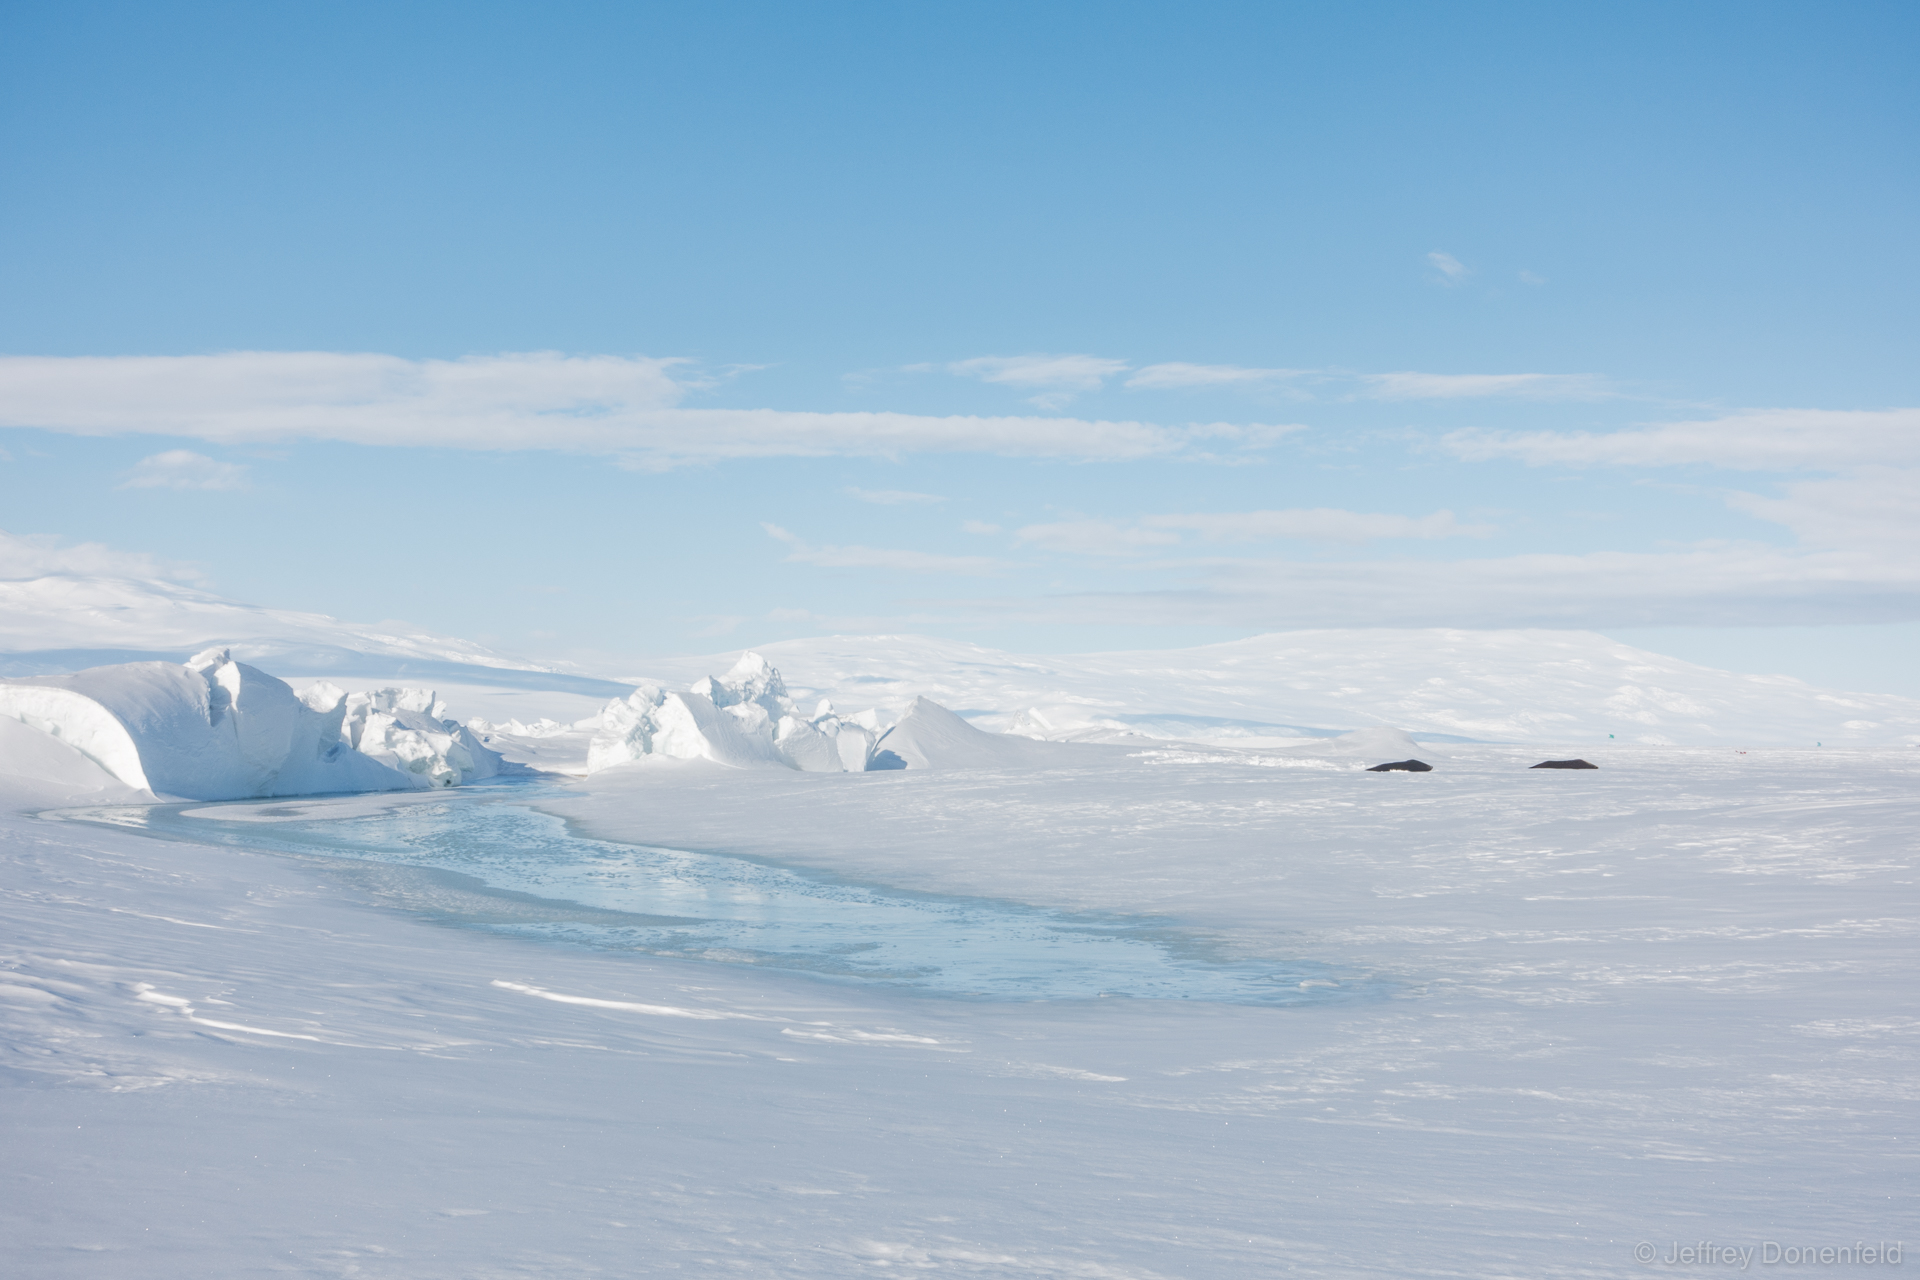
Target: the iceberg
(745, 718)
(216, 729)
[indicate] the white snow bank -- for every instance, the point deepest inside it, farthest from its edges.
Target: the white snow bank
(216, 729)
(931, 737)
(38, 771)
(743, 719)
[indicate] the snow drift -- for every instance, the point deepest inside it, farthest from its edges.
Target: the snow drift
(216, 729)
(931, 737)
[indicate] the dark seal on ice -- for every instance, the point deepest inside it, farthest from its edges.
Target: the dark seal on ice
(1563, 764)
(1406, 766)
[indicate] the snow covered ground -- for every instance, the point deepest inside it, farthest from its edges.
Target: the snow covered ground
(1668, 1000)
(1525, 1022)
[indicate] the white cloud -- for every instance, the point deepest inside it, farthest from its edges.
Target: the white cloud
(978, 526)
(1318, 524)
(1451, 269)
(1872, 457)
(1321, 524)
(1094, 537)
(1058, 378)
(1458, 386)
(610, 405)
(1724, 585)
(1753, 440)
(1248, 435)
(880, 557)
(1869, 507)
(893, 497)
(185, 469)
(1067, 373)
(1173, 376)
(38, 555)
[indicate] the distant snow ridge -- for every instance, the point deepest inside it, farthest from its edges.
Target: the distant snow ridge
(216, 729)
(743, 718)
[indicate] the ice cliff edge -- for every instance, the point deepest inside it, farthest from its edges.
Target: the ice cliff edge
(215, 729)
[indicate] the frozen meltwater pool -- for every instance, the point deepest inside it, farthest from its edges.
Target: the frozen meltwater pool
(491, 862)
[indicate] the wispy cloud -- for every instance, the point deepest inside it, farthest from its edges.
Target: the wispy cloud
(626, 407)
(1319, 524)
(1451, 269)
(880, 557)
(37, 555)
(1094, 537)
(1057, 378)
(893, 497)
(1461, 386)
(1753, 440)
(1872, 455)
(1314, 524)
(1720, 585)
(1870, 507)
(1176, 376)
(1071, 373)
(185, 469)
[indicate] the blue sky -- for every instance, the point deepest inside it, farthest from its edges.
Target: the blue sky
(1050, 326)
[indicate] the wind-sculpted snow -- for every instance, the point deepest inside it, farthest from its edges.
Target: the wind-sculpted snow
(931, 737)
(216, 729)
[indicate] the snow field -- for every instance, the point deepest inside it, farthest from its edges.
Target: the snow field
(1669, 999)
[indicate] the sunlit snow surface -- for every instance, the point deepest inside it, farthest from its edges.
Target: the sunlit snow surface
(713, 907)
(1668, 1000)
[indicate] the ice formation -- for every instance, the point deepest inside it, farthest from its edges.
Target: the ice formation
(929, 736)
(216, 729)
(407, 730)
(743, 718)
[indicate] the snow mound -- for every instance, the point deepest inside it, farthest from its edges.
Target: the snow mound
(931, 737)
(216, 729)
(744, 719)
